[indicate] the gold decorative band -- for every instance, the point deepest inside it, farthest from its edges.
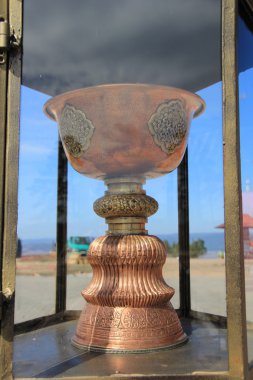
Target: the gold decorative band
(125, 206)
(121, 205)
(126, 225)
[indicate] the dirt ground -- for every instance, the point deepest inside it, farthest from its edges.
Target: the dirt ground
(35, 285)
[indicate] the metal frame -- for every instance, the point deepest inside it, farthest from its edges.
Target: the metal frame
(41, 322)
(61, 231)
(202, 376)
(235, 278)
(184, 237)
(5, 351)
(246, 12)
(10, 74)
(3, 115)
(9, 141)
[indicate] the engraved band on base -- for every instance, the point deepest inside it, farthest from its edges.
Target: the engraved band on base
(129, 329)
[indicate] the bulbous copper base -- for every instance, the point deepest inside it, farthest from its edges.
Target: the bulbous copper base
(129, 305)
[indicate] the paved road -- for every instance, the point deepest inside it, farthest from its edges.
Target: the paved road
(35, 294)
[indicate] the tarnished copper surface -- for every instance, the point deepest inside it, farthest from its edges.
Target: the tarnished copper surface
(128, 300)
(125, 129)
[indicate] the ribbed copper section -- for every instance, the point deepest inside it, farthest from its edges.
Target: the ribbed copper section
(127, 271)
(128, 300)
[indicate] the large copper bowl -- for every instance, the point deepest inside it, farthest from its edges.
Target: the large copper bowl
(125, 129)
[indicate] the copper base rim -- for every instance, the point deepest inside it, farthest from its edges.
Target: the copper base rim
(91, 348)
(128, 329)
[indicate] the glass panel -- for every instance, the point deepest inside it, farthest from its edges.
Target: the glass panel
(120, 41)
(83, 227)
(206, 206)
(84, 223)
(70, 45)
(164, 224)
(245, 64)
(117, 60)
(35, 282)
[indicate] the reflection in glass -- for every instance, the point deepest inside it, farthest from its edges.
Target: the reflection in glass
(245, 64)
(128, 41)
(82, 221)
(208, 293)
(35, 281)
(111, 41)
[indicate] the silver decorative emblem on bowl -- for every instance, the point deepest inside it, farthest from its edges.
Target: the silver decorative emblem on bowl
(168, 125)
(76, 130)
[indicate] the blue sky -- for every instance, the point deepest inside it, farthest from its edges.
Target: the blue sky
(38, 172)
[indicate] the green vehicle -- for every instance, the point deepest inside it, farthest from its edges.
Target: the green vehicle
(79, 244)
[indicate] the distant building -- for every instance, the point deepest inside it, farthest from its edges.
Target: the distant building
(247, 220)
(247, 200)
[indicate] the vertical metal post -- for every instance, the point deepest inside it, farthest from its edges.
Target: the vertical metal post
(183, 236)
(61, 231)
(10, 75)
(3, 121)
(235, 279)
(3, 117)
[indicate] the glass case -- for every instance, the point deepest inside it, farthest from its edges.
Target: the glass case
(67, 46)
(245, 64)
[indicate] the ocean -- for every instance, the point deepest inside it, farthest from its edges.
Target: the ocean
(214, 243)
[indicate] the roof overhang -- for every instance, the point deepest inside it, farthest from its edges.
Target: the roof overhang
(74, 44)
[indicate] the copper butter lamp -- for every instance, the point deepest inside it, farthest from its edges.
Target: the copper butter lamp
(123, 134)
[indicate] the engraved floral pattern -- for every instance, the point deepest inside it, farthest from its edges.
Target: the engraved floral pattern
(126, 318)
(76, 130)
(125, 205)
(134, 319)
(168, 125)
(108, 317)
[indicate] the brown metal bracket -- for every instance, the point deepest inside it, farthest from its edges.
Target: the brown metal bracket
(5, 297)
(1, 304)
(8, 39)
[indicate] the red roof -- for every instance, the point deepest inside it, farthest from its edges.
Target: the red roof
(247, 221)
